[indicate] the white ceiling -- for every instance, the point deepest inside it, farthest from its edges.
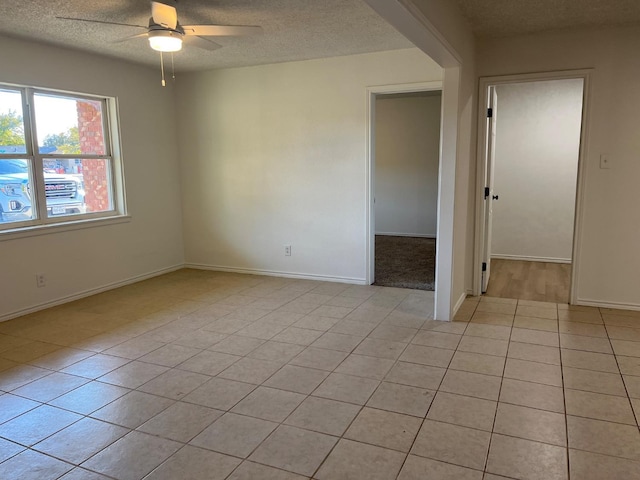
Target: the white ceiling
(293, 29)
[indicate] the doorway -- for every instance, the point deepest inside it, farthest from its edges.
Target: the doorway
(529, 181)
(407, 138)
(440, 303)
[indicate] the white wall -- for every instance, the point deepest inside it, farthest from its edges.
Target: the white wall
(81, 260)
(609, 262)
(536, 167)
(407, 153)
(276, 155)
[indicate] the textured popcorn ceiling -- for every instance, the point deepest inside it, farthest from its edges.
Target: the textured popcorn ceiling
(294, 29)
(496, 18)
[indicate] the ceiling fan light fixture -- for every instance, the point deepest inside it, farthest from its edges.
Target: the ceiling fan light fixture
(165, 40)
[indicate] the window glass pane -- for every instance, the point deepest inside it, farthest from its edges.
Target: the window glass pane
(11, 124)
(15, 191)
(67, 125)
(76, 186)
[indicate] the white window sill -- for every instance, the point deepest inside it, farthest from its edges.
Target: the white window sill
(62, 227)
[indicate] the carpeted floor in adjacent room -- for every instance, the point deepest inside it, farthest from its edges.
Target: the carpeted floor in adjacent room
(405, 262)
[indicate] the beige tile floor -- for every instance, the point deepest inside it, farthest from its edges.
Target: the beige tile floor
(202, 375)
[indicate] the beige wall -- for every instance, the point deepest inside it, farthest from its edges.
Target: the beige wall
(276, 155)
(609, 262)
(79, 261)
(407, 153)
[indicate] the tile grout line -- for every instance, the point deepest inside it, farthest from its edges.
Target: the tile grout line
(362, 407)
(495, 417)
(564, 403)
(624, 384)
(432, 400)
(279, 423)
(310, 395)
(365, 402)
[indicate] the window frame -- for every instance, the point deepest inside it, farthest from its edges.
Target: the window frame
(42, 222)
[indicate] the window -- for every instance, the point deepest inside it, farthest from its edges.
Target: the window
(57, 160)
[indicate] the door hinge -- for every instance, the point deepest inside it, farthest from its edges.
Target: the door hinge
(484, 266)
(489, 112)
(486, 192)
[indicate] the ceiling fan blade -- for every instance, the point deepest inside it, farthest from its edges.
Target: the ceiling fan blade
(101, 21)
(131, 37)
(221, 30)
(164, 15)
(194, 41)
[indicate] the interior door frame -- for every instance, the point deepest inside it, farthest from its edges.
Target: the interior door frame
(480, 234)
(372, 93)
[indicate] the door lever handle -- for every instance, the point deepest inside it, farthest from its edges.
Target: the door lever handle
(495, 197)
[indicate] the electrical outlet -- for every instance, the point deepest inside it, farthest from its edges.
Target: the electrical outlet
(287, 250)
(41, 280)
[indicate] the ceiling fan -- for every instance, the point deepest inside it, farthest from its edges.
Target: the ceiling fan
(165, 33)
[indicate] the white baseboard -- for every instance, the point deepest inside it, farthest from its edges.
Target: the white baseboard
(87, 293)
(458, 304)
(531, 259)
(275, 273)
(396, 234)
(600, 303)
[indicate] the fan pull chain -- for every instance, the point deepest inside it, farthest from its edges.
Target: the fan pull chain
(173, 68)
(164, 84)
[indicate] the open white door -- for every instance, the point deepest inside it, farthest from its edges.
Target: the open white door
(489, 194)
